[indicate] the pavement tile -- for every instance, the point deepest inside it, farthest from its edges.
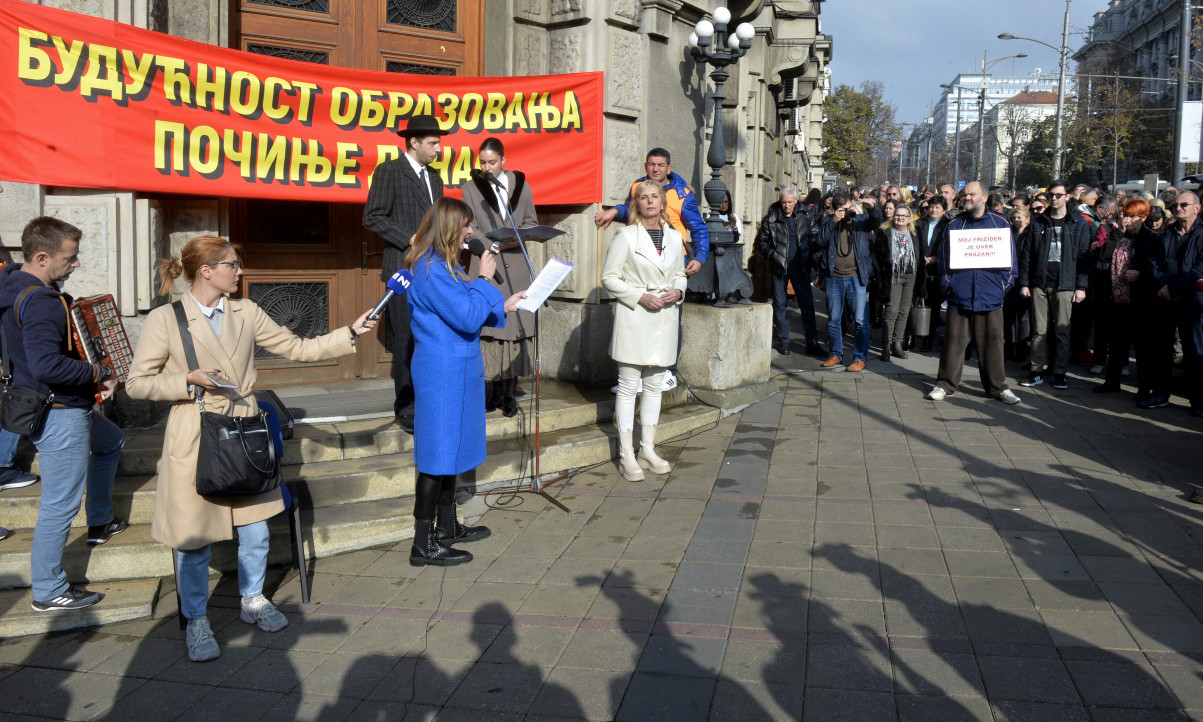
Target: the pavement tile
(577, 572)
(1050, 567)
(704, 576)
(588, 547)
(836, 584)
(536, 646)
(649, 574)
(666, 697)
(840, 705)
(521, 570)
(1029, 680)
(937, 673)
(790, 531)
(443, 642)
(225, 703)
(1144, 599)
(1000, 593)
(764, 662)
(847, 534)
(980, 564)
(1096, 629)
(1005, 626)
(421, 681)
(925, 620)
(368, 592)
(430, 592)
(580, 694)
(275, 670)
(494, 688)
(658, 548)
(775, 582)
(346, 675)
(636, 604)
(603, 650)
(304, 707)
(1120, 684)
(844, 509)
(774, 554)
(845, 617)
(383, 636)
(907, 537)
(1165, 634)
(928, 708)
(716, 551)
(1018, 711)
(560, 600)
(1185, 682)
(232, 659)
(1067, 595)
(154, 700)
(667, 654)
(391, 564)
(747, 700)
(1025, 543)
(482, 594)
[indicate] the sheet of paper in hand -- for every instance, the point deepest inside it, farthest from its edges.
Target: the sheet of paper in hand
(984, 248)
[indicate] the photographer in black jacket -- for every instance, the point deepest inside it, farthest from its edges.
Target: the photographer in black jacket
(787, 233)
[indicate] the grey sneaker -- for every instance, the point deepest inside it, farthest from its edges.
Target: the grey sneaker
(259, 611)
(936, 394)
(202, 647)
(1008, 397)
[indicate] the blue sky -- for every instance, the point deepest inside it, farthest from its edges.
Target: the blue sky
(914, 47)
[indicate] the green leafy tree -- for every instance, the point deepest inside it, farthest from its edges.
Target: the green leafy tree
(859, 128)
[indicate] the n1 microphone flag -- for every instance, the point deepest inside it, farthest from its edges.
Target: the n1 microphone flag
(397, 285)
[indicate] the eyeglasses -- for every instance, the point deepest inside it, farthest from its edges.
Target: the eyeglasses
(1182, 205)
(234, 265)
(1057, 195)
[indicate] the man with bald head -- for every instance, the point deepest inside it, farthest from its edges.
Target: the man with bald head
(975, 301)
(1177, 266)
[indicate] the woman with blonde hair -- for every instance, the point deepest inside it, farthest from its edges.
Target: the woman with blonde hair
(225, 332)
(898, 258)
(447, 310)
(645, 271)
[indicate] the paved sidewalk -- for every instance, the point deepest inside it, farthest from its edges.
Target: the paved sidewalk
(842, 550)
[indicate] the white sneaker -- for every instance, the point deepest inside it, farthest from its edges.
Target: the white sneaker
(262, 613)
(1008, 397)
(936, 394)
(670, 382)
(1096, 369)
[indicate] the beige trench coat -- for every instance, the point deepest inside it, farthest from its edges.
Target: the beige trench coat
(182, 518)
(633, 268)
(511, 266)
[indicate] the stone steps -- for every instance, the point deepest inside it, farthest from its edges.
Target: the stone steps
(123, 601)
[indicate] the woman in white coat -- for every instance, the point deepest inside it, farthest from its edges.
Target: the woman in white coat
(645, 271)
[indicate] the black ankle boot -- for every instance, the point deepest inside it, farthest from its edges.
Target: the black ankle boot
(429, 550)
(449, 529)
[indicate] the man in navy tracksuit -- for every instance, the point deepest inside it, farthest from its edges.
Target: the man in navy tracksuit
(76, 448)
(975, 304)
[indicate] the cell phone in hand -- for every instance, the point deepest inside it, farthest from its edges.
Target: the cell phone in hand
(220, 380)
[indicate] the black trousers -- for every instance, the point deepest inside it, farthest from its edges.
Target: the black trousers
(1121, 325)
(797, 274)
(1157, 322)
(986, 328)
(403, 353)
(430, 491)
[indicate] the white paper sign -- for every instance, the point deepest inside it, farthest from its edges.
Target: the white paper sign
(549, 279)
(985, 248)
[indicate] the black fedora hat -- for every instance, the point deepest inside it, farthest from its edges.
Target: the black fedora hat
(421, 125)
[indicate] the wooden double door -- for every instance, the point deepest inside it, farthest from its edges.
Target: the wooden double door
(312, 266)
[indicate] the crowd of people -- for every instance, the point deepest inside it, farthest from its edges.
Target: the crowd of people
(1091, 278)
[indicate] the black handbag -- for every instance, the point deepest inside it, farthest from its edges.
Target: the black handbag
(23, 410)
(237, 454)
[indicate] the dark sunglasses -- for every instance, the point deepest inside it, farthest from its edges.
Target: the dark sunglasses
(1182, 205)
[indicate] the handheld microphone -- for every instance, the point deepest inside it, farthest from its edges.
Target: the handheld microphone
(479, 174)
(397, 285)
(478, 248)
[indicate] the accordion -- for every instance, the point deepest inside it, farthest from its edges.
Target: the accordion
(100, 335)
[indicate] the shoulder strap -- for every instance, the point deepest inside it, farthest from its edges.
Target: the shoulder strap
(22, 299)
(185, 335)
(19, 308)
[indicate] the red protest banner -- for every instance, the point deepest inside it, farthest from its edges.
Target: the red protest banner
(91, 103)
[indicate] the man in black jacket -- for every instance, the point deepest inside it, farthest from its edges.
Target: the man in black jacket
(1054, 272)
(1177, 269)
(76, 447)
(402, 189)
(784, 239)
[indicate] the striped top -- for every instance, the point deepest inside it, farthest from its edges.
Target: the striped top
(657, 235)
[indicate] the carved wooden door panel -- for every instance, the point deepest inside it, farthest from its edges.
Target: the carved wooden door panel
(311, 265)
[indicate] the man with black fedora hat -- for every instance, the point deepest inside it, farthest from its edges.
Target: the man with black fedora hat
(402, 190)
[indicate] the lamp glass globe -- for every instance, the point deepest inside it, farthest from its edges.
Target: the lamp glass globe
(733, 42)
(745, 31)
(693, 40)
(722, 15)
(704, 29)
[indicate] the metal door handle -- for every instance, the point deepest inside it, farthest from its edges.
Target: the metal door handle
(363, 259)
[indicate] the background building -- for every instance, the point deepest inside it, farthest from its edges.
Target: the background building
(310, 263)
(1009, 126)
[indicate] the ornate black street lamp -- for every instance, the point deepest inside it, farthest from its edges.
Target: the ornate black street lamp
(723, 275)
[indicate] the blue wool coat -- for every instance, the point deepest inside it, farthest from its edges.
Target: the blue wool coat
(446, 314)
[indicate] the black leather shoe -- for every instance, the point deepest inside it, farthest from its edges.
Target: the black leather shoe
(461, 533)
(406, 423)
(898, 350)
(428, 550)
(509, 408)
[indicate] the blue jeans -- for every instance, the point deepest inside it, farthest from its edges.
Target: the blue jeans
(75, 449)
(8, 448)
(841, 291)
(192, 567)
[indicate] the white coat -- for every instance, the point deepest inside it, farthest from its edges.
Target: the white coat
(633, 268)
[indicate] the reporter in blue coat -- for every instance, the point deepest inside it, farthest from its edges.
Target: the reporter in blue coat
(447, 311)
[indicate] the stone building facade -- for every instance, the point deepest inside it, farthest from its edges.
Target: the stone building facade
(654, 96)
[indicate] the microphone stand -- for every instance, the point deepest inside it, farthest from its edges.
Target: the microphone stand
(536, 484)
